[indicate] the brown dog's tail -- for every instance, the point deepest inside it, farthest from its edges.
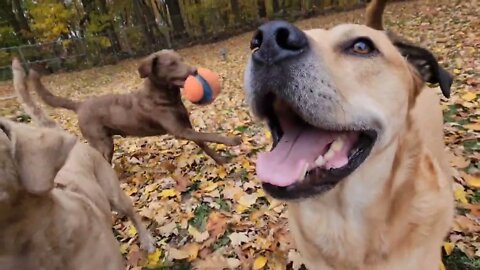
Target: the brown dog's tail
(374, 14)
(21, 89)
(47, 96)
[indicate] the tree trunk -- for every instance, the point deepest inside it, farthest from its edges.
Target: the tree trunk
(236, 11)
(178, 24)
(262, 9)
(110, 30)
(275, 6)
(143, 24)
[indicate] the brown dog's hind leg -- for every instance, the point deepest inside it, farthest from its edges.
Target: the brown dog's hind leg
(121, 203)
(210, 152)
(99, 139)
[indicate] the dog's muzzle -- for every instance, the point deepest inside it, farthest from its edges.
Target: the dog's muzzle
(288, 87)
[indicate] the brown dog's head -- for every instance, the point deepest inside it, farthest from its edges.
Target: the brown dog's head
(165, 67)
(30, 159)
(331, 98)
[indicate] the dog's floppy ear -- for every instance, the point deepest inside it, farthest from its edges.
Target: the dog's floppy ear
(146, 66)
(39, 153)
(426, 64)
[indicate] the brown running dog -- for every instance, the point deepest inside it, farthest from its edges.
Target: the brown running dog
(56, 196)
(155, 109)
(358, 144)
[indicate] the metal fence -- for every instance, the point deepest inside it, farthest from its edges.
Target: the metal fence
(77, 53)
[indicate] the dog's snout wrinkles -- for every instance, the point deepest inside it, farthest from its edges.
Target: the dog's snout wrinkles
(276, 41)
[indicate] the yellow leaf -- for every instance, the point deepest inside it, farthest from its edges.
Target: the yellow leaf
(475, 126)
(219, 147)
(132, 231)
(448, 247)
(261, 193)
(209, 186)
(268, 135)
(460, 194)
(154, 258)
(221, 172)
(240, 208)
(442, 267)
(473, 181)
(124, 248)
(259, 262)
(469, 96)
(167, 193)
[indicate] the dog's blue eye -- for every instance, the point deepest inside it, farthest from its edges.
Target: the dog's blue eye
(362, 46)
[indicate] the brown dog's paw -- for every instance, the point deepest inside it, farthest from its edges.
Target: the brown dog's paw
(220, 160)
(147, 243)
(235, 141)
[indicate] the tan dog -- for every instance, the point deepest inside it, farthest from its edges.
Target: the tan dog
(56, 196)
(156, 109)
(358, 151)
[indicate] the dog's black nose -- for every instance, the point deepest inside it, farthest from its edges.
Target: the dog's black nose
(276, 41)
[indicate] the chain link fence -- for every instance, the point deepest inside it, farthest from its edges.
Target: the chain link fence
(207, 24)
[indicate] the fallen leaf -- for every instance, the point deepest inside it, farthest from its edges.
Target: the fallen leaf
(295, 258)
(182, 183)
(448, 247)
(237, 238)
(134, 255)
(469, 96)
(167, 193)
(217, 262)
(259, 263)
(192, 250)
(474, 127)
(198, 236)
(176, 254)
(460, 194)
(473, 181)
(248, 200)
(153, 258)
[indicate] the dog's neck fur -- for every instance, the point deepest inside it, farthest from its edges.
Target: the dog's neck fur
(161, 92)
(345, 224)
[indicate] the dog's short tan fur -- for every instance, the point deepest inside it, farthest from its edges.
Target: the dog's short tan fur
(56, 197)
(392, 212)
(155, 109)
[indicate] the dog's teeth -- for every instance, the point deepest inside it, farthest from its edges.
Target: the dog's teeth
(303, 173)
(337, 144)
(329, 154)
(320, 161)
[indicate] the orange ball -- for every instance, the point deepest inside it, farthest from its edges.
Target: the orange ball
(202, 88)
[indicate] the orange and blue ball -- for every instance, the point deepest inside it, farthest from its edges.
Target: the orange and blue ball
(203, 88)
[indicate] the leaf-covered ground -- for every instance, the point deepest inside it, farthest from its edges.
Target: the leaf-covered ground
(206, 216)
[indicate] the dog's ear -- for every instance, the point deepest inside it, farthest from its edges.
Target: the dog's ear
(146, 66)
(39, 153)
(426, 64)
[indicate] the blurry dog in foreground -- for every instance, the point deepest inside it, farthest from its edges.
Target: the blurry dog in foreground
(56, 197)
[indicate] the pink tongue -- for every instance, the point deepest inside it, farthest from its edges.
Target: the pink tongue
(297, 149)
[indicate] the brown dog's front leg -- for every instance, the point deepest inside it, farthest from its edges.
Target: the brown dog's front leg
(210, 152)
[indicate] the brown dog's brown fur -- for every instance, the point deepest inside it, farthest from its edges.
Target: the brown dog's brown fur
(56, 197)
(155, 109)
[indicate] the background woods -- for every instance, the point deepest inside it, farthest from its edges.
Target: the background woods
(72, 34)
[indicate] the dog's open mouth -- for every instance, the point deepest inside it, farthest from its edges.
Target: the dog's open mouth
(307, 160)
